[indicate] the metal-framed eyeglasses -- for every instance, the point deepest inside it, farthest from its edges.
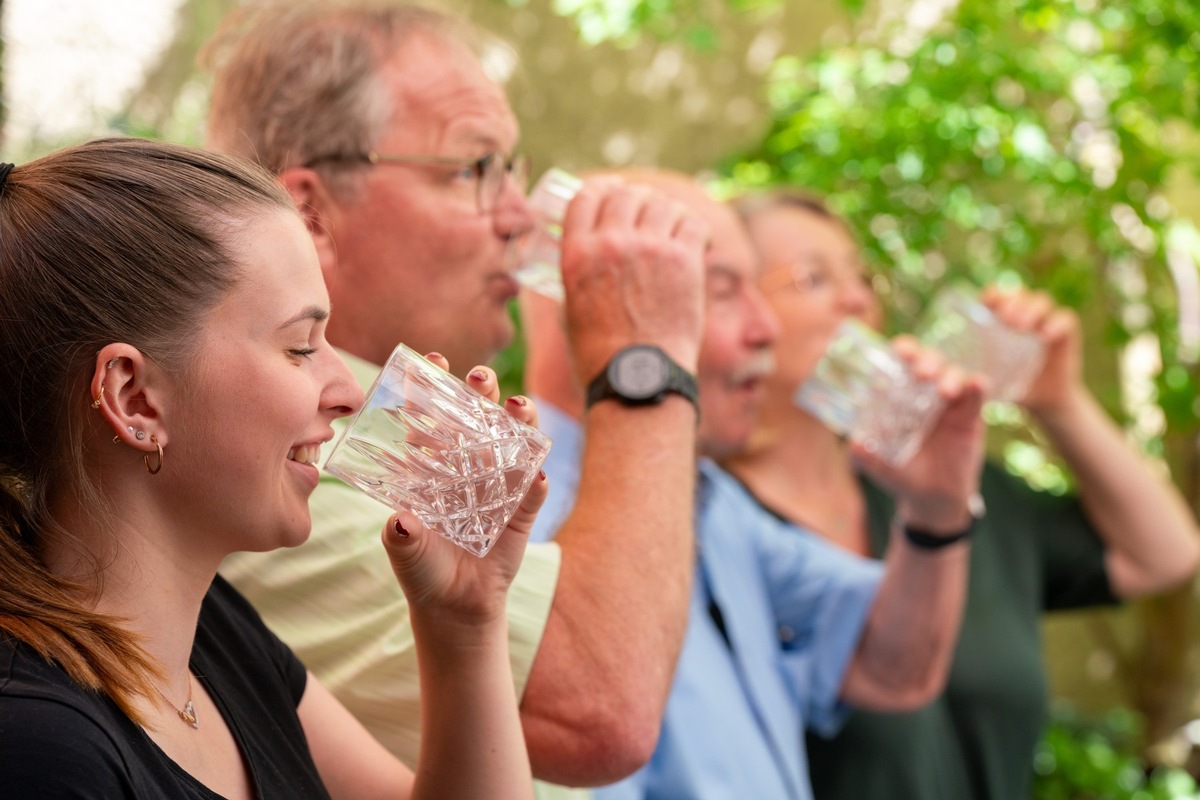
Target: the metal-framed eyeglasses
(489, 170)
(808, 275)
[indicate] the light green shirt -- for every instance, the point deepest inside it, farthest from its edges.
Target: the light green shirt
(336, 603)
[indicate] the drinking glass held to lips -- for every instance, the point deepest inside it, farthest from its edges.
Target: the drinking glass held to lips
(426, 441)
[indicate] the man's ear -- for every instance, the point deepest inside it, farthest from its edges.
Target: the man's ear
(318, 208)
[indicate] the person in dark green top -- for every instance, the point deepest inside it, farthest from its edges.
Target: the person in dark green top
(1127, 533)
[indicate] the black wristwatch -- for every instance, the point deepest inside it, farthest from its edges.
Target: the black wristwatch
(642, 374)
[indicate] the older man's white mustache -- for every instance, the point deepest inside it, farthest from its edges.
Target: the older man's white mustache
(758, 366)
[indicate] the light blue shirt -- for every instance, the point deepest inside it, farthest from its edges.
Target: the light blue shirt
(562, 466)
(735, 720)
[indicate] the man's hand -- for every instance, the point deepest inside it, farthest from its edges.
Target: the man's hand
(633, 269)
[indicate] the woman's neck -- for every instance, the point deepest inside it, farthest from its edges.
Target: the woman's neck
(135, 571)
(801, 470)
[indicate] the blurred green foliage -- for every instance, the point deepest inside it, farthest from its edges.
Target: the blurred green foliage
(1018, 141)
(509, 363)
(624, 22)
(1084, 759)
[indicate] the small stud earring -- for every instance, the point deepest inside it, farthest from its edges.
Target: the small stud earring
(139, 435)
(112, 362)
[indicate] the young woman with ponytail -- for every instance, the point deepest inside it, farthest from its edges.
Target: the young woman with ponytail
(167, 390)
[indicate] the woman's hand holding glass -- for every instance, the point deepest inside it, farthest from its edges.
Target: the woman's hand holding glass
(443, 579)
(1061, 376)
(934, 487)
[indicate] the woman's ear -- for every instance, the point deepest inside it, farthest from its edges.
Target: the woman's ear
(128, 391)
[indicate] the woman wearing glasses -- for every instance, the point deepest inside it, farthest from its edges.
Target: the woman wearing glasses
(162, 328)
(1126, 534)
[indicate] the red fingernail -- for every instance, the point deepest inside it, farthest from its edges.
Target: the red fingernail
(479, 375)
(541, 475)
(400, 531)
(432, 356)
(517, 400)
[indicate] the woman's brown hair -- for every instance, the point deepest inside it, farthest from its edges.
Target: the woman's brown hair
(116, 240)
(750, 205)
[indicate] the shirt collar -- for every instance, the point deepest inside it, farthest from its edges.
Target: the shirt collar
(564, 430)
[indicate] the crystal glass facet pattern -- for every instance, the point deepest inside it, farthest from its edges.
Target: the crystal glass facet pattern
(427, 442)
(967, 333)
(537, 253)
(861, 389)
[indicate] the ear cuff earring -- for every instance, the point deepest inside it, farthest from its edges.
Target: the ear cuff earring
(112, 362)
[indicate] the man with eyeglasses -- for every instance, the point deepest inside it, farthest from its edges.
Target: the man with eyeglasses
(382, 124)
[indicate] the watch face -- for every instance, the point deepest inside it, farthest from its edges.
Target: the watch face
(639, 373)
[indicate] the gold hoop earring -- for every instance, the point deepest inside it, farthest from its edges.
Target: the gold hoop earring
(146, 458)
(99, 397)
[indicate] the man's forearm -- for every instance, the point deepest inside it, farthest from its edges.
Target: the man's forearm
(601, 678)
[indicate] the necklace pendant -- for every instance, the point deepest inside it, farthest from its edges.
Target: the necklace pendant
(188, 715)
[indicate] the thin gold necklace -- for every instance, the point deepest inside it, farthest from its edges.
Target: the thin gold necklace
(188, 712)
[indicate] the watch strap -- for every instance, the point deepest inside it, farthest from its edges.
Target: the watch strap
(678, 381)
(933, 541)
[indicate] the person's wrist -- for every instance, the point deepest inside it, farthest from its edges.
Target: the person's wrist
(1063, 407)
(642, 375)
(590, 361)
(925, 540)
(450, 627)
(941, 534)
(934, 513)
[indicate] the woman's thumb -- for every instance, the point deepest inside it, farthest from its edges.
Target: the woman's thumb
(403, 538)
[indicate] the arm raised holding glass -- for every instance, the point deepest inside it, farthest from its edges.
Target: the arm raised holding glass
(456, 604)
(1149, 533)
(632, 269)
(908, 641)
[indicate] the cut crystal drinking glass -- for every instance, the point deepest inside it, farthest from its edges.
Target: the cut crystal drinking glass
(967, 333)
(427, 442)
(538, 252)
(861, 389)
